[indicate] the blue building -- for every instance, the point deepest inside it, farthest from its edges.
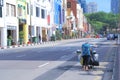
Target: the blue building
(83, 5)
(115, 6)
(58, 14)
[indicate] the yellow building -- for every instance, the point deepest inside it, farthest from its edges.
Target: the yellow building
(22, 16)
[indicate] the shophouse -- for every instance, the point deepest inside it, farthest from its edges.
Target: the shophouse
(9, 23)
(28, 21)
(80, 27)
(57, 14)
(50, 18)
(66, 21)
(86, 27)
(24, 21)
(40, 20)
(63, 12)
(35, 20)
(22, 18)
(71, 17)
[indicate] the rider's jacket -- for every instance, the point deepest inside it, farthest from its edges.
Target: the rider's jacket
(85, 49)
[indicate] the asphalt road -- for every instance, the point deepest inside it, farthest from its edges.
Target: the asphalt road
(55, 62)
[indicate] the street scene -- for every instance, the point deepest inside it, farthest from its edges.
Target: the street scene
(59, 39)
(57, 61)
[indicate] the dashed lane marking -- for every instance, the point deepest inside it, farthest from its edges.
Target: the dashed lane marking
(43, 65)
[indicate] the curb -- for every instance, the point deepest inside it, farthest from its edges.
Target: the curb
(43, 43)
(114, 65)
(32, 44)
(23, 45)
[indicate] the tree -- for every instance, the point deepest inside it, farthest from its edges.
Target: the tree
(102, 21)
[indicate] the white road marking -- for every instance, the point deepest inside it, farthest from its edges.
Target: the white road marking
(43, 65)
(21, 55)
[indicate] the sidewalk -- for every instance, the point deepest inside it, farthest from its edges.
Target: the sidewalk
(48, 43)
(117, 62)
(116, 65)
(116, 70)
(76, 73)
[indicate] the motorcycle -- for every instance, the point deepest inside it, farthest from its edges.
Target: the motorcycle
(94, 58)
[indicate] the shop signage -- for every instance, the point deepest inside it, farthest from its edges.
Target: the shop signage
(11, 27)
(22, 21)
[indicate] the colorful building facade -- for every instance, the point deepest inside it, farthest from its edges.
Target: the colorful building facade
(34, 21)
(9, 23)
(58, 14)
(22, 18)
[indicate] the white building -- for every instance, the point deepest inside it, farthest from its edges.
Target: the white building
(9, 22)
(34, 16)
(80, 19)
(40, 19)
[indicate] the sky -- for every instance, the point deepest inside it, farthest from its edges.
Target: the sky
(103, 5)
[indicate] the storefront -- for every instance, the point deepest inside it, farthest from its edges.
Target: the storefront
(11, 35)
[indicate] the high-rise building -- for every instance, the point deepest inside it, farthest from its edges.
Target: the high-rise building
(115, 6)
(83, 5)
(91, 7)
(119, 6)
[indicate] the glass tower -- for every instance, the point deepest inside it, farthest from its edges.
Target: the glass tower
(83, 5)
(115, 6)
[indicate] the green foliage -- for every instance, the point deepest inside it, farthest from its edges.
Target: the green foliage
(10, 37)
(101, 20)
(21, 37)
(74, 34)
(97, 25)
(58, 35)
(53, 37)
(21, 34)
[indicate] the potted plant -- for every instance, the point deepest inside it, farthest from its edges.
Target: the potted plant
(9, 41)
(21, 37)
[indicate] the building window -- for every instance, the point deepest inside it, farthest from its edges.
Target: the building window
(27, 8)
(37, 12)
(31, 10)
(7, 10)
(68, 4)
(42, 13)
(13, 11)
(0, 11)
(19, 11)
(10, 10)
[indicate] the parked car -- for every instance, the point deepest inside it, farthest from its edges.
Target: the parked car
(115, 36)
(110, 37)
